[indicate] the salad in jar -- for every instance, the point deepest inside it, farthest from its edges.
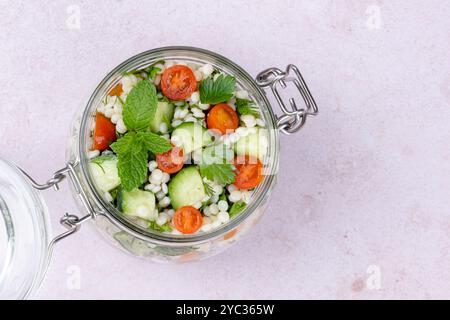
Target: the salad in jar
(178, 147)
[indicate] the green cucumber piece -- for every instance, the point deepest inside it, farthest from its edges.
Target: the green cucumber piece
(192, 136)
(105, 173)
(186, 188)
(164, 114)
(253, 145)
(138, 203)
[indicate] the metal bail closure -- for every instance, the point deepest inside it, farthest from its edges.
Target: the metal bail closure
(69, 221)
(293, 118)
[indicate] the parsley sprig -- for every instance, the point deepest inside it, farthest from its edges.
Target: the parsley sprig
(245, 106)
(222, 173)
(216, 166)
(134, 147)
(216, 91)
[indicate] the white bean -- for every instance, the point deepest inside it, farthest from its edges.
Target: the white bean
(118, 108)
(197, 113)
(216, 223)
(214, 209)
(120, 126)
(214, 198)
(166, 177)
(190, 118)
(242, 94)
(231, 188)
(198, 75)
(109, 111)
(160, 195)
(176, 140)
(162, 219)
(206, 227)
(164, 202)
(235, 196)
(156, 177)
(222, 205)
(197, 205)
(195, 97)
(94, 153)
(218, 189)
(203, 106)
(163, 127)
(223, 216)
(115, 118)
(207, 69)
(152, 165)
(171, 212)
(176, 123)
(206, 211)
(108, 197)
(157, 80)
(183, 112)
(249, 120)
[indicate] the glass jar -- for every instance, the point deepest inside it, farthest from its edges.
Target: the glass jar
(119, 230)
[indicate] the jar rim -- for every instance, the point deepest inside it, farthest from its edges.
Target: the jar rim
(196, 54)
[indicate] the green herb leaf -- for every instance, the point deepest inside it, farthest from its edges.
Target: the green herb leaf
(223, 197)
(99, 160)
(208, 189)
(245, 106)
(220, 173)
(153, 71)
(154, 143)
(140, 106)
(216, 91)
(132, 163)
(237, 208)
(164, 228)
(132, 151)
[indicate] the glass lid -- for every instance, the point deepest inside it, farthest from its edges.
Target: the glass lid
(24, 232)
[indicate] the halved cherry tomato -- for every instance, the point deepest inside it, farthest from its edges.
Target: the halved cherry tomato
(104, 132)
(178, 82)
(249, 172)
(223, 118)
(116, 91)
(171, 161)
(187, 219)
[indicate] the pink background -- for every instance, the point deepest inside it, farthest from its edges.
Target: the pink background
(364, 187)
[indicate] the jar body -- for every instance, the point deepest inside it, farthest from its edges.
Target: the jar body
(164, 249)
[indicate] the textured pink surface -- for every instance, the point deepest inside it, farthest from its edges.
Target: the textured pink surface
(365, 186)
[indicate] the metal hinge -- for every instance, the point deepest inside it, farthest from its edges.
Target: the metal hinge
(293, 118)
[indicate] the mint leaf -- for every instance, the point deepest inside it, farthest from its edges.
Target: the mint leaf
(237, 208)
(220, 173)
(124, 144)
(245, 106)
(140, 106)
(132, 164)
(132, 150)
(154, 143)
(216, 91)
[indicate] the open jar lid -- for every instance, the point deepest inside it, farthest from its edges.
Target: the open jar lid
(24, 234)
